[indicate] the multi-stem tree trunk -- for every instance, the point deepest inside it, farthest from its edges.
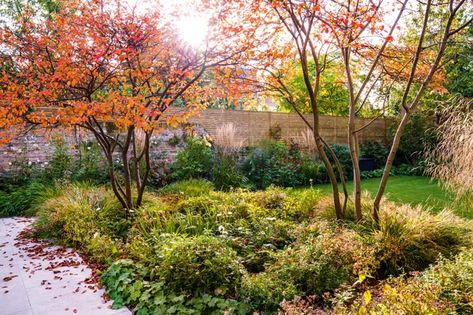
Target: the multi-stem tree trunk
(133, 155)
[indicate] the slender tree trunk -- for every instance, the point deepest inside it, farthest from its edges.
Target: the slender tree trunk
(331, 175)
(342, 176)
(354, 153)
(147, 169)
(127, 178)
(353, 137)
(389, 163)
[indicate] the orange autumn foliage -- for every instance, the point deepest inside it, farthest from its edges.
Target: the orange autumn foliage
(100, 60)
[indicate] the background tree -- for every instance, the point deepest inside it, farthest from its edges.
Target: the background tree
(460, 67)
(332, 97)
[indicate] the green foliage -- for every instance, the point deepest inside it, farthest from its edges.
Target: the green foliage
(194, 250)
(200, 264)
(460, 69)
(23, 200)
(191, 188)
(225, 174)
(419, 135)
(375, 150)
(270, 164)
(194, 161)
(254, 224)
(309, 172)
(128, 283)
(279, 164)
(264, 291)
(400, 296)
(320, 263)
(86, 217)
(455, 280)
(410, 239)
(377, 173)
(124, 281)
(90, 165)
(444, 288)
(60, 166)
(20, 173)
(332, 97)
(343, 154)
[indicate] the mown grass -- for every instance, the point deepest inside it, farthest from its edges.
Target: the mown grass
(416, 190)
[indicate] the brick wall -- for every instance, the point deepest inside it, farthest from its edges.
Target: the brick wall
(251, 127)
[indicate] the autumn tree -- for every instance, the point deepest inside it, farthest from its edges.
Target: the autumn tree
(115, 70)
(363, 33)
(297, 22)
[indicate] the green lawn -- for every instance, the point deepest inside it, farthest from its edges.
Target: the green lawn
(417, 190)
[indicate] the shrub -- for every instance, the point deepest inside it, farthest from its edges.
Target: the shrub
(309, 172)
(200, 264)
(321, 263)
(253, 224)
(374, 173)
(20, 173)
(124, 282)
(90, 166)
(343, 154)
(194, 161)
(409, 170)
(60, 166)
(422, 135)
(375, 150)
(263, 292)
(400, 296)
(454, 279)
(444, 288)
(225, 174)
(273, 163)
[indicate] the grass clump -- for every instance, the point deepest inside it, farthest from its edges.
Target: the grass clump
(85, 217)
(24, 200)
(410, 239)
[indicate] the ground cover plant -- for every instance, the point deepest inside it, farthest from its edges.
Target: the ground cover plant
(191, 249)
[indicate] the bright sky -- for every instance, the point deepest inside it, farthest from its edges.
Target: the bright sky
(192, 26)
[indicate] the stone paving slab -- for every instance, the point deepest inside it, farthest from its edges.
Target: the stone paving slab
(37, 279)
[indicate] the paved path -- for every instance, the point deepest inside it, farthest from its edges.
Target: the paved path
(45, 280)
